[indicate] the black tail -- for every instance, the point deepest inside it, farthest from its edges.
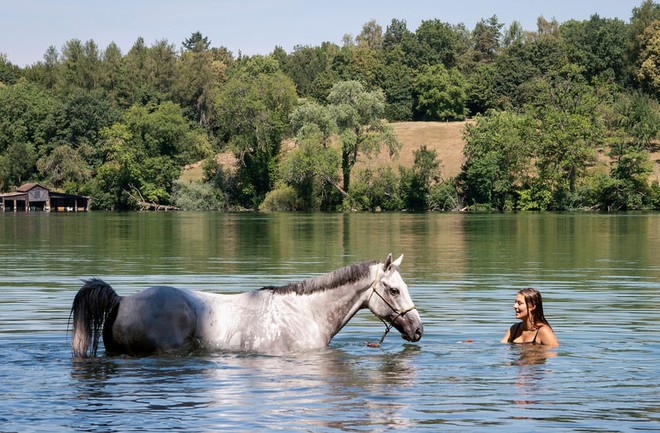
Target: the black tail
(91, 306)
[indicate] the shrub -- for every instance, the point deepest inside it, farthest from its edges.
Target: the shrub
(197, 196)
(281, 199)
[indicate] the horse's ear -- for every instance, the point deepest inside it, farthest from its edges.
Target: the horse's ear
(388, 262)
(397, 262)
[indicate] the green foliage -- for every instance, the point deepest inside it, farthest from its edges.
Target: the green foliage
(310, 68)
(438, 42)
(499, 156)
(598, 45)
(441, 94)
(9, 73)
(65, 166)
(376, 190)
(27, 115)
(311, 168)
(396, 80)
(443, 197)
(282, 199)
(197, 196)
(358, 115)
(18, 164)
(567, 133)
(255, 127)
(83, 115)
(196, 43)
(486, 38)
(416, 182)
(113, 125)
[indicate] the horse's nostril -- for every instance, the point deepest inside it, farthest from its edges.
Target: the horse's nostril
(418, 334)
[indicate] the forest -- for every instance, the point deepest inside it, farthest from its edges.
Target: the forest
(542, 106)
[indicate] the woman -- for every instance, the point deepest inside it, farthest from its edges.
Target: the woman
(533, 327)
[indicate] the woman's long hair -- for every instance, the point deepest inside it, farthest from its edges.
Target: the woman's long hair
(533, 297)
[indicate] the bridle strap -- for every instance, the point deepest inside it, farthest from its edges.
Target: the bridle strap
(399, 313)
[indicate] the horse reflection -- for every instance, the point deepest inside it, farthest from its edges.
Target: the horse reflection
(335, 389)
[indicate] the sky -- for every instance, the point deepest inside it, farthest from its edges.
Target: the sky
(29, 27)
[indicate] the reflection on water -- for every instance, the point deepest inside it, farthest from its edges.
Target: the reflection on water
(334, 389)
(531, 355)
(599, 275)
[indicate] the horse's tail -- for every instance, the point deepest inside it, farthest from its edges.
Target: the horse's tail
(91, 307)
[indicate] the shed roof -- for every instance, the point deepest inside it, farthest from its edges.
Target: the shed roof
(28, 186)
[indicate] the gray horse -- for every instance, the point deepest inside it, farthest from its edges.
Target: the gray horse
(271, 320)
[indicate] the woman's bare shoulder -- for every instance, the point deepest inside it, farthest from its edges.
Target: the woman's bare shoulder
(546, 336)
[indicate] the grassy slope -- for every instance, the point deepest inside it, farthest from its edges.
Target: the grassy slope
(444, 137)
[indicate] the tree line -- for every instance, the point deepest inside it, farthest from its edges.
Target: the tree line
(544, 105)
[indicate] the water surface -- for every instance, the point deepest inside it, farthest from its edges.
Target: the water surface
(599, 275)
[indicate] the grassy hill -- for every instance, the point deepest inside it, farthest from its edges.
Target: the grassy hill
(446, 138)
(443, 137)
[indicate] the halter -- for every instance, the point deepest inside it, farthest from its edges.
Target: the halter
(399, 313)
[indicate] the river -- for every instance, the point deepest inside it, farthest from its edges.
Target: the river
(599, 275)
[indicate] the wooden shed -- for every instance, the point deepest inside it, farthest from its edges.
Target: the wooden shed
(35, 197)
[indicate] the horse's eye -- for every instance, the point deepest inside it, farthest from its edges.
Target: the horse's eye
(394, 291)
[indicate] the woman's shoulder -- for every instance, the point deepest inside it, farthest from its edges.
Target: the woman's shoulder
(546, 336)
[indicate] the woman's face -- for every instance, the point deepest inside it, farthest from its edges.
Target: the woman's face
(520, 307)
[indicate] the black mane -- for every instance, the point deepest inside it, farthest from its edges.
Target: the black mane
(334, 279)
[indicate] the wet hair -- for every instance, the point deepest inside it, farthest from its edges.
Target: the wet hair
(533, 297)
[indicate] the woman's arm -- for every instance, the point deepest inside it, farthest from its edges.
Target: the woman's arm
(507, 335)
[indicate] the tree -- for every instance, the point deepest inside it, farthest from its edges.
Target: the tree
(310, 68)
(499, 154)
(635, 127)
(311, 118)
(83, 115)
(8, 72)
(163, 130)
(376, 189)
(197, 196)
(310, 168)
(251, 115)
(416, 183)
(513, 34)
(64, 168)
(359, 118)
(642, 17)
(196, 43)
(438, 43)
(649, 67)
(19, 164)
(396, 80)
(441, 94)
(81, 65)
(371, 36)
(120, 171)
(567, 132)
(27, 115)
(599, 45)
(486, 40)
(197, 78)
(113, 74)
(395, 34)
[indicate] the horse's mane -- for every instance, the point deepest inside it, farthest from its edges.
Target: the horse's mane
(334, 279)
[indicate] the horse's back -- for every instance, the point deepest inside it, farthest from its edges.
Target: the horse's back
(157, 319)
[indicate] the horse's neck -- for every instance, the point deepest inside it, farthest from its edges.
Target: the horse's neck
(333, 308)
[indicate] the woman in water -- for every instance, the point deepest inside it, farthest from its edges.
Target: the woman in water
(533, 327)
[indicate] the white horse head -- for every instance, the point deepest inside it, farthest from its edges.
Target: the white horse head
(390, 301)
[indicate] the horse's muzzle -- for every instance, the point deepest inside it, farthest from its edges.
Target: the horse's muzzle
(410, 326)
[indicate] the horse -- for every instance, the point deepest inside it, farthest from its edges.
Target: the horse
(271, 320)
